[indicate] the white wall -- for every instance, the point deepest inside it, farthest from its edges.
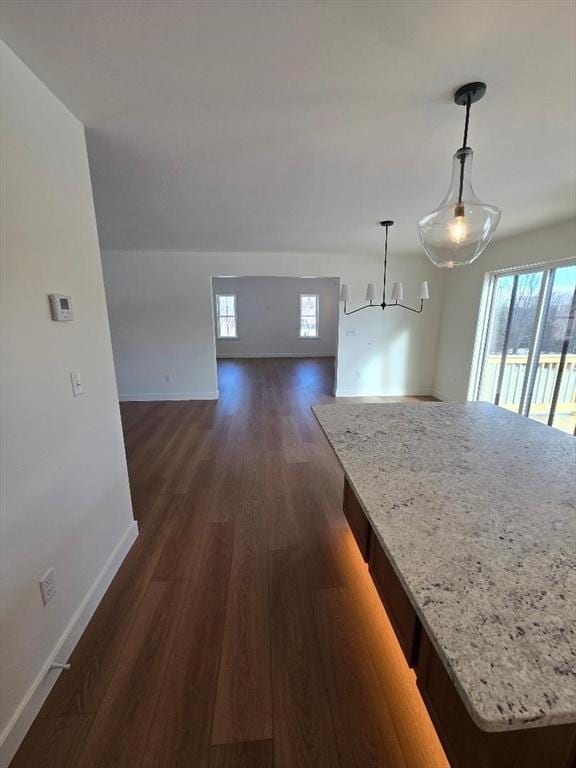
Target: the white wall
(65, 497)
(161, 318)
(463, 294)
(268, 316)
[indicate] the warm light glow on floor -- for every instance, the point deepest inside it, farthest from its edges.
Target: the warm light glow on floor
(420, 743)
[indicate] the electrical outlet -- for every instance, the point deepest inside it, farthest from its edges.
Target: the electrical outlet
(47, 586)
(167, 377)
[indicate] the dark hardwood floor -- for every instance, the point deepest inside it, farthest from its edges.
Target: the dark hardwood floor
(243, 629)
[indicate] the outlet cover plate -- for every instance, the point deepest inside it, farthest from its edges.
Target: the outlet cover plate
(47, 586)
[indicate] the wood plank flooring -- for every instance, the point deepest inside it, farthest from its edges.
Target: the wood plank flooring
(242, 630)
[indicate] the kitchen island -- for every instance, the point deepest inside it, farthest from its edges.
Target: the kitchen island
(466, 514)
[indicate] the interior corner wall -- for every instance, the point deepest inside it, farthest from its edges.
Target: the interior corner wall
(268, 316)
(463, 296)
(65, 498)
(161, 318)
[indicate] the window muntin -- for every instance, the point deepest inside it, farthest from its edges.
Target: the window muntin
(226, 321)
(309, 307)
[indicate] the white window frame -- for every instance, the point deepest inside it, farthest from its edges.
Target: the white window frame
(485, 320)
(317, 315)
(217, 314)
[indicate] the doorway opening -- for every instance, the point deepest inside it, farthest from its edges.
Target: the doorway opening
(278, 317)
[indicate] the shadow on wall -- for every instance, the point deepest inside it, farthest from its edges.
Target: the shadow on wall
(382, 346)
(391, 360)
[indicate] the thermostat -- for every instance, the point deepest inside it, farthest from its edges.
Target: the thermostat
(60, 307)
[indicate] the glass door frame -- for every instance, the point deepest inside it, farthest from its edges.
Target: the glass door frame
(485, 319)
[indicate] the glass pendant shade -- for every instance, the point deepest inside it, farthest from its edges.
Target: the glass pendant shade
(460, 229)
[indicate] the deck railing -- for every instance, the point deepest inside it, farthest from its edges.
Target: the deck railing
(513, 379)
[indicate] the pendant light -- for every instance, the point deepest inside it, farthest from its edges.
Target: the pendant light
(459, 230)
(397, 294)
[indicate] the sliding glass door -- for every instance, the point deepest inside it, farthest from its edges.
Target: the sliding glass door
(529, 350)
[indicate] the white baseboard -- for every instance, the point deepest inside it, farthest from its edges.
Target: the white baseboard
(166, 396)
(226, 356)
(32, 702)
(383, 393)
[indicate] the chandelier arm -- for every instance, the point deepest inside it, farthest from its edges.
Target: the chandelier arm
(366, 306)
(411, 309)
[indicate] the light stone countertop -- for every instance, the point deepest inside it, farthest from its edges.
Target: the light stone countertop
(476, 508)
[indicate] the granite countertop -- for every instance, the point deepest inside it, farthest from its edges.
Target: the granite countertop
(476, 509)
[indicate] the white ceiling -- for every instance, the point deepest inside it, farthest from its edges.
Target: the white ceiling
(296, 125)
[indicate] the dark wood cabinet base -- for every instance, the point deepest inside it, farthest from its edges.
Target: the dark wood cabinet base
(466, 745)
(357, 521)
(398, 607)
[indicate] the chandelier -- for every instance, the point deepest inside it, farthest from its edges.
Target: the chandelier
(397, 293)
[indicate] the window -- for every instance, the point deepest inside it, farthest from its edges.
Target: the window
(226, 326)
(528, 363)
(308, 315)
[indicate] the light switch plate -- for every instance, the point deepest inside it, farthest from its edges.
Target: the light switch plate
(76, 379)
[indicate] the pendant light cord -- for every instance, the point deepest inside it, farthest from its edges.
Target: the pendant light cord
(464, 146)
(466, 122)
